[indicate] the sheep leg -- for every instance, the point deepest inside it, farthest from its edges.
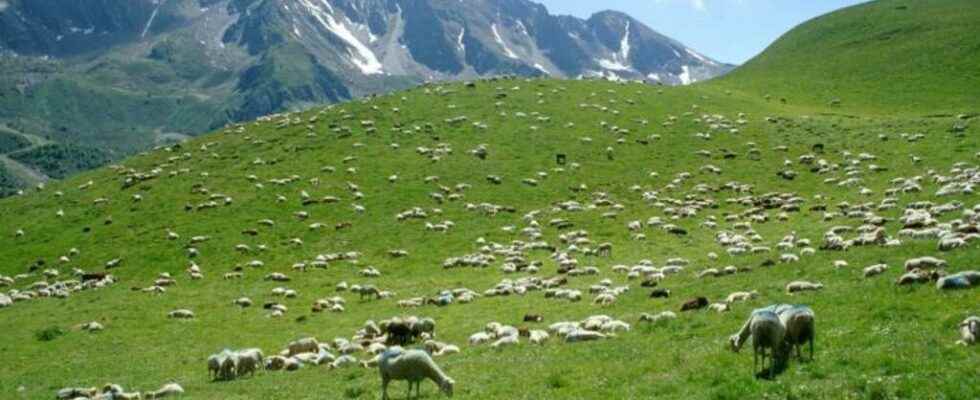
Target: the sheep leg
(813, 337)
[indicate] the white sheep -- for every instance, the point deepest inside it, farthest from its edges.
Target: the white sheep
(508, 340)
(875, 270)
(741, 296)
(582, 335)
(413, 366)
(170, 389)
(767, 332)
(658, 318)
(801, 286)
(799, 324)
(249, 360)
(969, 330)
(924, 262)
(479, 338)
(181, 314)
(305, 345)
(538, 336)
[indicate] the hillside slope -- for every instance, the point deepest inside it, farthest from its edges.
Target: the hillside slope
(694, 157)
(887, 56)
(125, 75)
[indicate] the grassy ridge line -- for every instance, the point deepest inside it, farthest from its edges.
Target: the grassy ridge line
(883, 57)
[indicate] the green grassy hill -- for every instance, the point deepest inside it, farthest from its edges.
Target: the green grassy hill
(884, 57)
(673, 150)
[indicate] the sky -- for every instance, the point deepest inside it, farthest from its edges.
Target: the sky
(731, 31)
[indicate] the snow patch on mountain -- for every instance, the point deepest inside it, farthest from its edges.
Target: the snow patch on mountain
(685, 76)
(361, 56)
(496, 35)
(624, 46)
(459, 40)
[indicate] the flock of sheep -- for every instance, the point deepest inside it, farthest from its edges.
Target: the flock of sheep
(547, 254)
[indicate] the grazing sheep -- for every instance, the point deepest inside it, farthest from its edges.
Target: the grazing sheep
(660, 293)
(961, 280)
(214, 366)
(479, 338)
(767, 332)
(72, 393)
(969, 330)
(924, 262)
(413, 366)
(170, 389)
(658, 318)
(538, 336)
(695, 304)
(181, 314)
(249, 360)
(229, 366)
(801, 286)
(582, 335)
(741, 296)
(874, 270)
(533, 318)
(305, 345)
(799, 324)
(719, 307)
(506, 340)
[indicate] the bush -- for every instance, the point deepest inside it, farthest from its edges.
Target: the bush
(48, 334)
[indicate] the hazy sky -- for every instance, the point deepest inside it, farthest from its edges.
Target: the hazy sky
(727, 30)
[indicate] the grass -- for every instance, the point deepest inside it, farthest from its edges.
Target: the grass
(875, 339)
(881, 57)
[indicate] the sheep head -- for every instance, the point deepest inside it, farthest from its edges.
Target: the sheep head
(735, 343)
(447, 387)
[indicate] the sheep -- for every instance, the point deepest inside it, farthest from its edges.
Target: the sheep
(695, 304)
(243, 302)
(582, 335)
(413, 366)
(72, 393)
(719, 307)
(249, 360)
(506, 340)
(924, 262)
(658, 318)
(214, 366)
(479, 338)
(799, 324)
(92, 327)
(961, 280)
(228, 368)
(767, 331)
(874, 270)
(969, 330)
(170, 389)
(538, 336)
(305, 345)
(181, 314)
(741, 296)
(800, 286)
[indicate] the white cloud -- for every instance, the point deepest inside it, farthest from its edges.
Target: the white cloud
(4, 5)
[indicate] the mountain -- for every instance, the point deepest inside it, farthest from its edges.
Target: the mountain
(883, 56)
(118, 76)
